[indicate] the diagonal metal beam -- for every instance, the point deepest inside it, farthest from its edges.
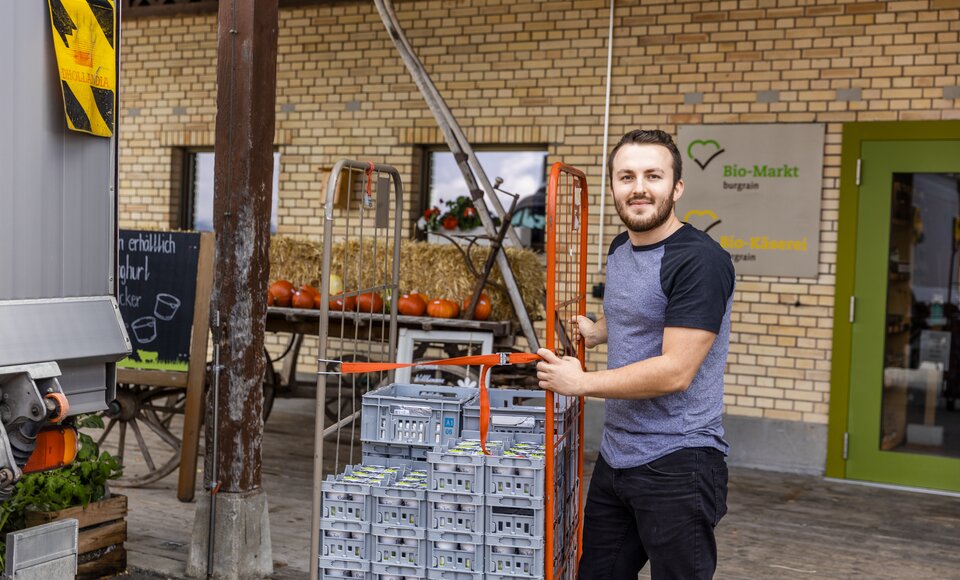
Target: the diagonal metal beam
(466, 161)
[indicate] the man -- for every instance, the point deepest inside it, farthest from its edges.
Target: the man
(660, 484)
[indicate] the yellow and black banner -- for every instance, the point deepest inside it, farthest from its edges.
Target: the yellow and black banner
(83, 35)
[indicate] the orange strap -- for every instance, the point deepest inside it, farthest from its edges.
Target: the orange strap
(487, 361)
(368, 197)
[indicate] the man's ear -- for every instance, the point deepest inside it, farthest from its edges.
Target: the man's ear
(678, 191)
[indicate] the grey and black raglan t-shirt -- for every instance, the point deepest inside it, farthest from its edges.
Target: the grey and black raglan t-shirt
(686, 281)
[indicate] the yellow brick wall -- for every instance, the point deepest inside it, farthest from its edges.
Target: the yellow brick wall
(533, 73)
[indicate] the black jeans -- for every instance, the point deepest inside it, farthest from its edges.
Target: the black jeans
(664, 512)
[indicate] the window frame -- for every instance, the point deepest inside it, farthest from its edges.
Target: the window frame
(426, 168)
(188, 193)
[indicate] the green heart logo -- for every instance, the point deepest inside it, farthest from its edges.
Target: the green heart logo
(708, 150)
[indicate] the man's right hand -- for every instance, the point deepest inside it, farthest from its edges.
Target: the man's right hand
(593, 333)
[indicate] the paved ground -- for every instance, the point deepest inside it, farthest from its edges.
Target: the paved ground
(779, 525)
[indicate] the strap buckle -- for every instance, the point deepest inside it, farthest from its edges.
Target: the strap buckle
(504, 359)
(324, 360)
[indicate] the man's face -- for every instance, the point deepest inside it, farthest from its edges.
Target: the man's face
(643, 188)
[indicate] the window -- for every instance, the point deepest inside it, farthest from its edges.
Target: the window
(197, 211)
(523, 172)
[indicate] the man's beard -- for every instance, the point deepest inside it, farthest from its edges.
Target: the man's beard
(638, 224)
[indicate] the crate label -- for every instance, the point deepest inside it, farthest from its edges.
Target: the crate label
(408, 411)
(448, 422)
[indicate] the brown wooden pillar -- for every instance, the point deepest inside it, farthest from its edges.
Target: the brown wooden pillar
(231, 534)
(243, 178)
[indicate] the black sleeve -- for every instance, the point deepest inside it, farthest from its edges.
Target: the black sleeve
(698, 281)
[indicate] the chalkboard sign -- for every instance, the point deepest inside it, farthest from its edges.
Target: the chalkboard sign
(158, 285)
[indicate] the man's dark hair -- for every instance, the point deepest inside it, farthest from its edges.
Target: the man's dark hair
(651, 137)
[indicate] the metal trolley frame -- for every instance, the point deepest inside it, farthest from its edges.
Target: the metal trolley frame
(566, 239)
(364, 210)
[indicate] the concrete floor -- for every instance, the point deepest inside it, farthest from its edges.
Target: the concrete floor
(778, 526)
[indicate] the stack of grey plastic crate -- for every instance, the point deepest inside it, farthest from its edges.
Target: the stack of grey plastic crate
(426, 503)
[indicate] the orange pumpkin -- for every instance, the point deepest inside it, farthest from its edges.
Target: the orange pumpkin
(411, 304)
(302, 299)
(270, 299)
(443, 308)
(483, 308)
(282, 292)
(339, 302)
(370, 302)
(314, 293)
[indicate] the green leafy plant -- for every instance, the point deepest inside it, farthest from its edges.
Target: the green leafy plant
(78, 484)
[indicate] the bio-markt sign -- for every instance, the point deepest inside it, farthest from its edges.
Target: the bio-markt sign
(756, 190)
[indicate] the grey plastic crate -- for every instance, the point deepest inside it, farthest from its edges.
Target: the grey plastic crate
(418, 415)
(514, 556)
(515, 477)
(502, 518)
(455, 512)
(344, 540)
(374, 452)
(345, 500)
(336, 568)
(398, 546)
(390, 572)
(452, 473)
(517, 411)
(434, 574)
(456, 551)
(394, 506)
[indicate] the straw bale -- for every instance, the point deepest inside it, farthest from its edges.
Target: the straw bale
(435, 270)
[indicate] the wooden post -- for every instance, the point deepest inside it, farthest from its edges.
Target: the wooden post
(243, 178)
(231, 536)
(196, 376)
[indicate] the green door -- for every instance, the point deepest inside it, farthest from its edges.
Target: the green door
(904, 418)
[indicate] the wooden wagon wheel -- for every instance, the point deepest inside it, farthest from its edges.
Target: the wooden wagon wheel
(140, 432)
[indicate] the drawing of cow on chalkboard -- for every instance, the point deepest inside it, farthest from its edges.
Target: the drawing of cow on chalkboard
(147, 356)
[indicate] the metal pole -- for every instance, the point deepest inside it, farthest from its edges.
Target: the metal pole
(606, 137)
(215, 422)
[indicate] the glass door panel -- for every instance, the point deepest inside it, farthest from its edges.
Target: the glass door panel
(904, 424)
(920, 375)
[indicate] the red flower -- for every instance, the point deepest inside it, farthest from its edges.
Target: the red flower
(469, 212)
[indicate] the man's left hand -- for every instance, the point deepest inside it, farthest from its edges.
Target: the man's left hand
(563, 376)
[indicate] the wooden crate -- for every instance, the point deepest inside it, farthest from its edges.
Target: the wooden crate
(103, 529)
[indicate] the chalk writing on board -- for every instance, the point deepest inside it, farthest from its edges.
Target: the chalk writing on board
(158, 274)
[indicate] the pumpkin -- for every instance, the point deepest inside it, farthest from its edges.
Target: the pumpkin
(443, 308)
(302, 299)
(370, 302)
(483, 308)
(282, 292)
(339, 302)
(312, 292)
(270, 299)
(411, 304)
(449, 223)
